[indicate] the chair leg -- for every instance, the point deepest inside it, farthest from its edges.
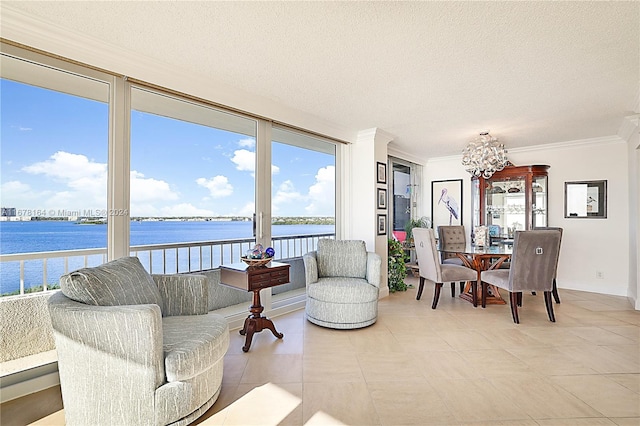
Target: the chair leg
(436, 295)
(420, 288)
(555, 292)
(484, 294)
(474, 293)
(513, 299)
(453, 289)
(520, 299)
(461, 286)
(549, 303)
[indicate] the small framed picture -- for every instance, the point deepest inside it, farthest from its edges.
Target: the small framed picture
(382, 173)
(382, 224)
(382, 198)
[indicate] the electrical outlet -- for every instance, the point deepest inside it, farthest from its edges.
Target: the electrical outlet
(600, 275)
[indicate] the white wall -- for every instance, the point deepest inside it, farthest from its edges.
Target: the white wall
(588, 245)
(630, 131)
(361, 212)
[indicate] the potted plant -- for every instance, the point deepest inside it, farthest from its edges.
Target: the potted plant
(397, 258)
(422, 222)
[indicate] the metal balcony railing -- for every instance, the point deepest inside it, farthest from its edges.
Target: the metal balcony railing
(42, 270)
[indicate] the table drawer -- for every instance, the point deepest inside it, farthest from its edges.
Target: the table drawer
(261, 278)
(280, 274)
(280, 280)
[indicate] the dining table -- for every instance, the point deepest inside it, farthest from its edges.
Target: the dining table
(480, 258)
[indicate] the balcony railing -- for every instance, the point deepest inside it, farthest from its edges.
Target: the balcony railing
(41, 269)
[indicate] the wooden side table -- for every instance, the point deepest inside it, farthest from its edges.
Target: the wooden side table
(244, 277)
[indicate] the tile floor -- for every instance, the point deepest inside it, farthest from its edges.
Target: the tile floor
(455, 365)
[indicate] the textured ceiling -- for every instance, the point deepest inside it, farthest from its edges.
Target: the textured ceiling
(432, 74)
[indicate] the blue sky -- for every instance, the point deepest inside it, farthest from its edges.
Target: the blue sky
(54, 156)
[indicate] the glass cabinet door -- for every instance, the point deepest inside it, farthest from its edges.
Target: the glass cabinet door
(513, 199)
(505, 206)
(539, 201)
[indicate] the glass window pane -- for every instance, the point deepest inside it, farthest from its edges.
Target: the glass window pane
(303, 206)
(192, 187)
(55, 130)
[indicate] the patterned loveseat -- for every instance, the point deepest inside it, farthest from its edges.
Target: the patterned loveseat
(343, 283)
(134, 348)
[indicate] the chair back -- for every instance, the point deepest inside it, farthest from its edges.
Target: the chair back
(427, 254)
(551, 228)
(342, 258)
(534, 260)
(451, 235)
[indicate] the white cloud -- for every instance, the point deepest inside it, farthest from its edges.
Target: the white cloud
(23, 196)
(149, 189)
(322, 193)
(247, 210)
(85, 180)
(218, 186)
(69, 167)
(247, 143)
(14, 187)
(83, 185)
(246, 161)
(285, 194)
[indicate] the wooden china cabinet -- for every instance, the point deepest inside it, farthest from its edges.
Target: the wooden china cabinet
(514, 198)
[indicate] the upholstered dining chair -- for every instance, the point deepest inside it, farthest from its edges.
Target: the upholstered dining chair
(431, 269)
(447, 235)
(533, 266)
(556, 297)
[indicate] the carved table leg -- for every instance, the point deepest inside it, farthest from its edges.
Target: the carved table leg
(255, 322)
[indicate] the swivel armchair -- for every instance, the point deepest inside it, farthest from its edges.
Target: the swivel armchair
(343, 284)
(136, 349)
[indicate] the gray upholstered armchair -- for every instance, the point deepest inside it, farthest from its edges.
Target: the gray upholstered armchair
(343, 283)
(134, 348)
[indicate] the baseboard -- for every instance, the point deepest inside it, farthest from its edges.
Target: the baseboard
(29, 381)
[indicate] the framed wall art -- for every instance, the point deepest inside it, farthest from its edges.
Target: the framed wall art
(381, 172)
(382, 199)
(586, 199)
(446, 202)
(382, 224)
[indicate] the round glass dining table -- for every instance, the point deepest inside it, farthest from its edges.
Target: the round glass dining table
(480, 258)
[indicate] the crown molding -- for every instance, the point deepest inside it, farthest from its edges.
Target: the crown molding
(393, 151)
(605, 140)
(374, 134)
(630, 124)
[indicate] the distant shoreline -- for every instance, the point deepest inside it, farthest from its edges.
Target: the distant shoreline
(277, 220)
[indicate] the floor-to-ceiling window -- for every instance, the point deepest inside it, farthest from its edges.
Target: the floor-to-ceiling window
(303, 198)
(192, 179)
(54, 151)
(180, 174)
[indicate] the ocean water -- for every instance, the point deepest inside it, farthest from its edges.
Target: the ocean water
(38, 236)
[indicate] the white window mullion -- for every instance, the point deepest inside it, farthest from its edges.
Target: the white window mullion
(263, 194)
(118, 205)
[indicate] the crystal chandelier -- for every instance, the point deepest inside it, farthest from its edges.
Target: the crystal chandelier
(484, 156)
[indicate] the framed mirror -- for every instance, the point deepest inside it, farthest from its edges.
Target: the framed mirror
(587, 199)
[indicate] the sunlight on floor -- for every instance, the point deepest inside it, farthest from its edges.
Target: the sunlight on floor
(269, 402)
(323, 419)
